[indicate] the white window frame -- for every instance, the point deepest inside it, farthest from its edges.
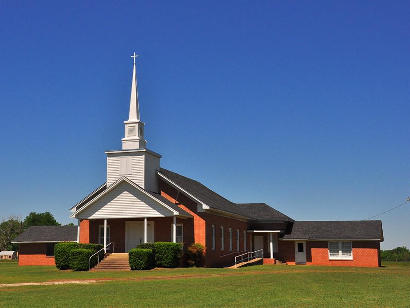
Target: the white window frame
(237, 240)
(230, 239)
(244, 240)
(101, 234)
(213, 237)
(222, 238)
(340, 255)
(180, 238)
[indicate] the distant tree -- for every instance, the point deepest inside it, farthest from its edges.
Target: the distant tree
(70, 224)
(40, 219)
(396, 254)
(9, 229)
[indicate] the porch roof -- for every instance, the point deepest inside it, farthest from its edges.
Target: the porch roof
(47, 234)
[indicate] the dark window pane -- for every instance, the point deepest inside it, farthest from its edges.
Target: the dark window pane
(300, 247)
(50, 249)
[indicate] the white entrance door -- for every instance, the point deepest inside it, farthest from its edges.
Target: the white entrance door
(300, 252)
(258, 242)
(134, 233)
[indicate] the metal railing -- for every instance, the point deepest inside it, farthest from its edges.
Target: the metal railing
(247, 256)
(105, 249)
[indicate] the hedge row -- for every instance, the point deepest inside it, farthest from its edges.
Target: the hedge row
(66, 251)
(160, 254)
(141, 259)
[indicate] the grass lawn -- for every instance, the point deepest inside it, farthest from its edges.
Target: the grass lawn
(267, 285)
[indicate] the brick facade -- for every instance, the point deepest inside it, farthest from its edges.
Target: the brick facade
(365, 253)
(34, 254)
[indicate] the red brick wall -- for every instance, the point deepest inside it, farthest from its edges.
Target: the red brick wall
(365, 253)
(85, 231)
(34, 254)
(202, 229)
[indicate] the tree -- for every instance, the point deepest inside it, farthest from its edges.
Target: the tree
(9, 229)
(40, 219)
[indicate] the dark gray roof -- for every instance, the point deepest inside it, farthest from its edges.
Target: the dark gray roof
(262, 211)
(337, 230)
(48, 234)
(256, 211)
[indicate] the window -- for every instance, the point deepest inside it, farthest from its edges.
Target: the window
(237, 239)
(213, 237)
(340, 250)
(50, 249)
(222, 238)
(244, 240)
(101, 235)
(300, 247)
(230, 239)
(180, 233)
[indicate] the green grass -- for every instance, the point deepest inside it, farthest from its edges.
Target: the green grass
(388, 286)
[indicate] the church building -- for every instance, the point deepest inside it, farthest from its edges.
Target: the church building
(142, 202)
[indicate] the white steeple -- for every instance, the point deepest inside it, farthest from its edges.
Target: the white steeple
(134, 128)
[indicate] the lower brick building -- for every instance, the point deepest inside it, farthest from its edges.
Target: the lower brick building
(141, 202)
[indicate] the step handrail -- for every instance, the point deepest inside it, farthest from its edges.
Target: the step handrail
(247, 256)
(98, 254)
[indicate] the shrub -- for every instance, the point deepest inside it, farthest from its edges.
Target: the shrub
(396, 254)
(147, 246)
(194, 255)
(167, 254)
(79, 259)
(141, 259)
(62, 253)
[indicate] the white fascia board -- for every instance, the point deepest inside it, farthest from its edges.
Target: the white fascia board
(112, 186)
(95, 190)
(204, 206)
(133, 151)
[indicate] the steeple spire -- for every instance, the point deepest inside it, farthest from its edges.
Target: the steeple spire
(134, 106)
(134, 128)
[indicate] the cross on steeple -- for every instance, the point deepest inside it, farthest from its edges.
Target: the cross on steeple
(134, 56)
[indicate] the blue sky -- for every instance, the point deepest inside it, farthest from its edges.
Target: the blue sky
(303, 105)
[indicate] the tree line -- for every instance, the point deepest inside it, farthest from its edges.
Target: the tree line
(10, 228)
(396, 254)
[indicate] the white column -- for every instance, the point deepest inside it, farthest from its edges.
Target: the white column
(174, 229)
(145, 229)
(271, 245)
(78, 230)
(105, 235)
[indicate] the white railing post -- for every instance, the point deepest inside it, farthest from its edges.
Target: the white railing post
(174, 229)
(105, 235)
(271, 245)
(145, 229)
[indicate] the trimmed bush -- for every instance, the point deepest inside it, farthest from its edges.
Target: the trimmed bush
(141, 259)
(194, 255)
(167, 254)
(147, 246)
(62, 252)
(79, 259)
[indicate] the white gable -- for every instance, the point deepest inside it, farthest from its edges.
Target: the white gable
(124, 201)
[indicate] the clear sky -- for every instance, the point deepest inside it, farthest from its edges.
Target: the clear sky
(303, 105)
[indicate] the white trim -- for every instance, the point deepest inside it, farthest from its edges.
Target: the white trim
(145, 230)
(174, 229)
(340, 256)
(102, 234)
(78, 230)
(115, 184)
(182, 236)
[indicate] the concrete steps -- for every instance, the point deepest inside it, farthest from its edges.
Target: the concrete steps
(114, 262)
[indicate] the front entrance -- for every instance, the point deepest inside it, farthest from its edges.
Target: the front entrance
(134, 233)
(300, 252)
(258, 242)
